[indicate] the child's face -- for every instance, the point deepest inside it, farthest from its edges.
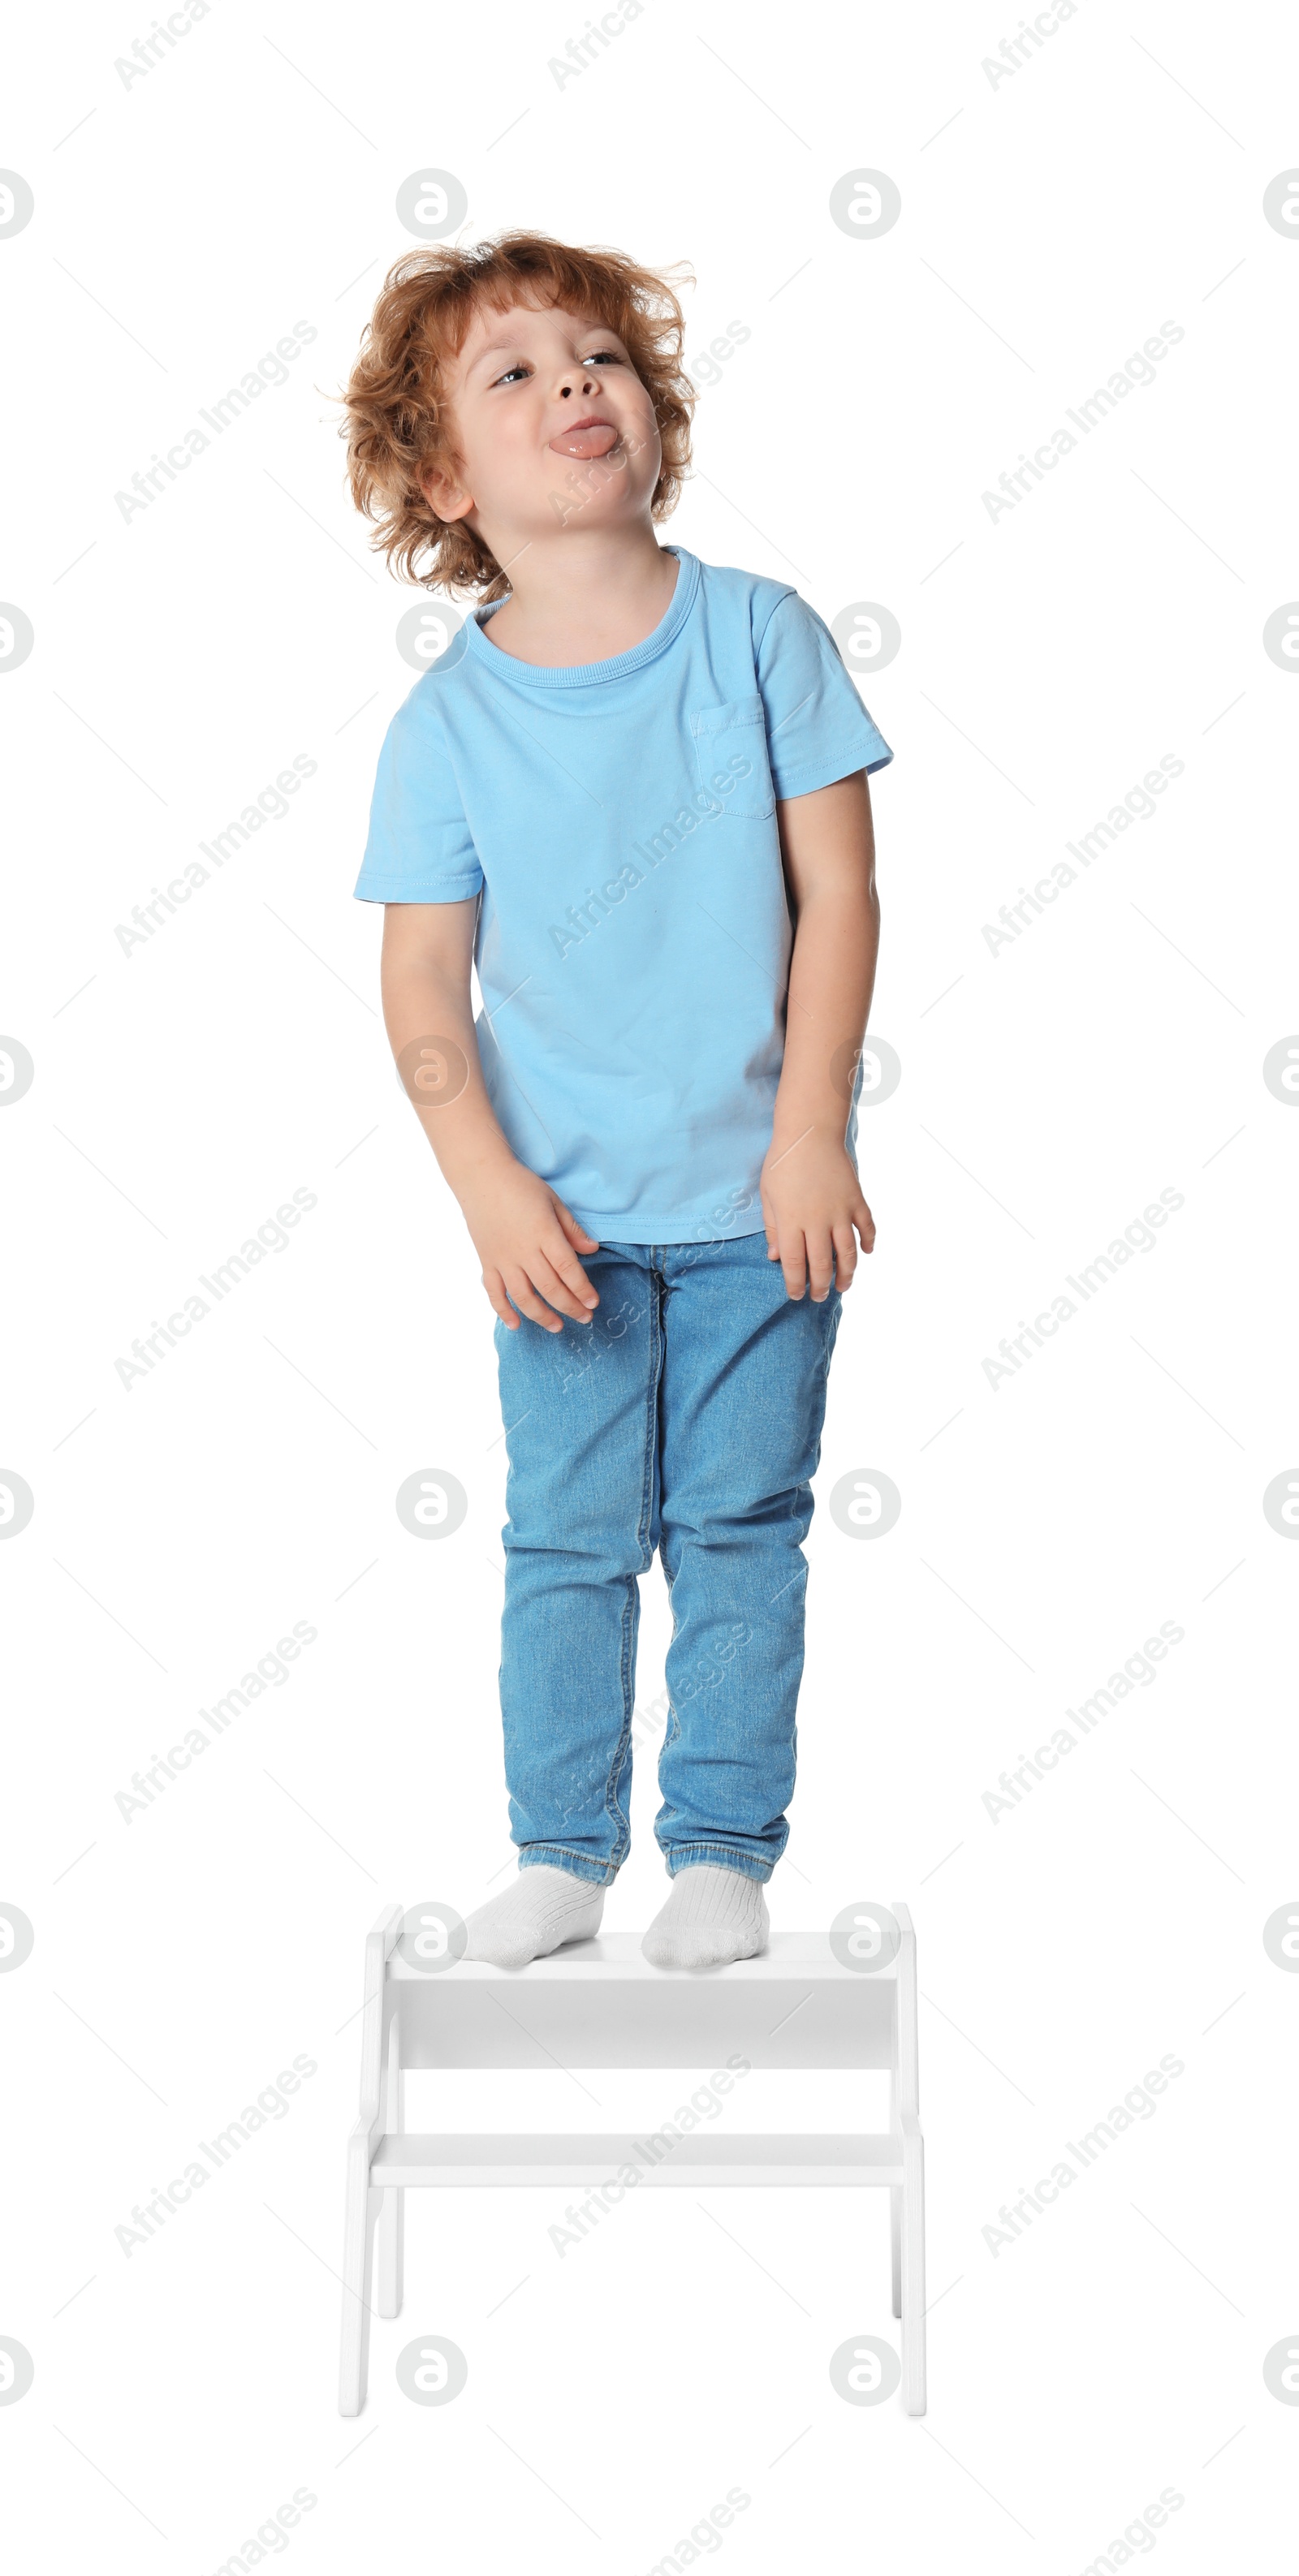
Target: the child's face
(520, 390)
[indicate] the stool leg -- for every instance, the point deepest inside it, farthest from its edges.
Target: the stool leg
(913, 2270)
(358, 2265)
(391, 2226)
(895, 2233)
(392, 2214)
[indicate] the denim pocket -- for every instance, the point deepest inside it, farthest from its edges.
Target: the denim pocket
(731, 755)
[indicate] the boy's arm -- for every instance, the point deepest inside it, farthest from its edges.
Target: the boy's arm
(811, 1197)
(525, 1237)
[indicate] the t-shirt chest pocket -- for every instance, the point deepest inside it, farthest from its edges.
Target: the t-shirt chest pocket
(731, 757)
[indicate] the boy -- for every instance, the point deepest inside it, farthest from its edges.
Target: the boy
(633, 791)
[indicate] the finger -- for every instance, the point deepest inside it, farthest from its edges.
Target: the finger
(793, 1263)
(576, 1231)
(845, 1256)
(548, 1284)
(570, 1270)
(819, 1264)
(865, 1224)
(495, 1287)
(529, 1303)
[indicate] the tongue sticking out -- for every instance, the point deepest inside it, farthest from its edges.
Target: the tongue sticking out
(586, 442)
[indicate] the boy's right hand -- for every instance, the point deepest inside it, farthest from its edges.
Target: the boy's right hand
(528, 1243)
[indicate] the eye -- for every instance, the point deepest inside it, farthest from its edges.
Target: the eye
(597, 357)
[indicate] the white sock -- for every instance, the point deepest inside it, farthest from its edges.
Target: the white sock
(711, 1917)
(543, 1908)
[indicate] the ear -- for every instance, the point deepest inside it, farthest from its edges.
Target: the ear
(450, 499)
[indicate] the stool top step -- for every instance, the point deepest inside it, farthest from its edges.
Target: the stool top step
(618, 1957)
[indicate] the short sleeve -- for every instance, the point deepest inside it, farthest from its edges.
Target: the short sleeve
(420, 848)
(817, 727)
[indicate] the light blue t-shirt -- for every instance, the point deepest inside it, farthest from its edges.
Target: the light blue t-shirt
(633, 940)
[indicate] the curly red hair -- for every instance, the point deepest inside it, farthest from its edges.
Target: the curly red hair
(398, 423)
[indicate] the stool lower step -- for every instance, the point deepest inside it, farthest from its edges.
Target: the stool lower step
(573, 2161)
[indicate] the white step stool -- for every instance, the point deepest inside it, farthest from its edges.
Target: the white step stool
(600, 2003)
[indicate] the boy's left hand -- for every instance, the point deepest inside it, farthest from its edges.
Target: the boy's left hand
(813, 1207)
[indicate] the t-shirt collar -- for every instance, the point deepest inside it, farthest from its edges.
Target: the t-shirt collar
(583, 675)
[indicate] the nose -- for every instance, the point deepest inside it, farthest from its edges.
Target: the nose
(588, 385)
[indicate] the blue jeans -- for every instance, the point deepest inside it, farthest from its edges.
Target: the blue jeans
(687, 1416)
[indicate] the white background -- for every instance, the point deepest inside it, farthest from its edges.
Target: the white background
(1049, 225)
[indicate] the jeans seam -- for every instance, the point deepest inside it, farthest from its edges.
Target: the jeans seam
(612, 1808)
(653, 1381)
